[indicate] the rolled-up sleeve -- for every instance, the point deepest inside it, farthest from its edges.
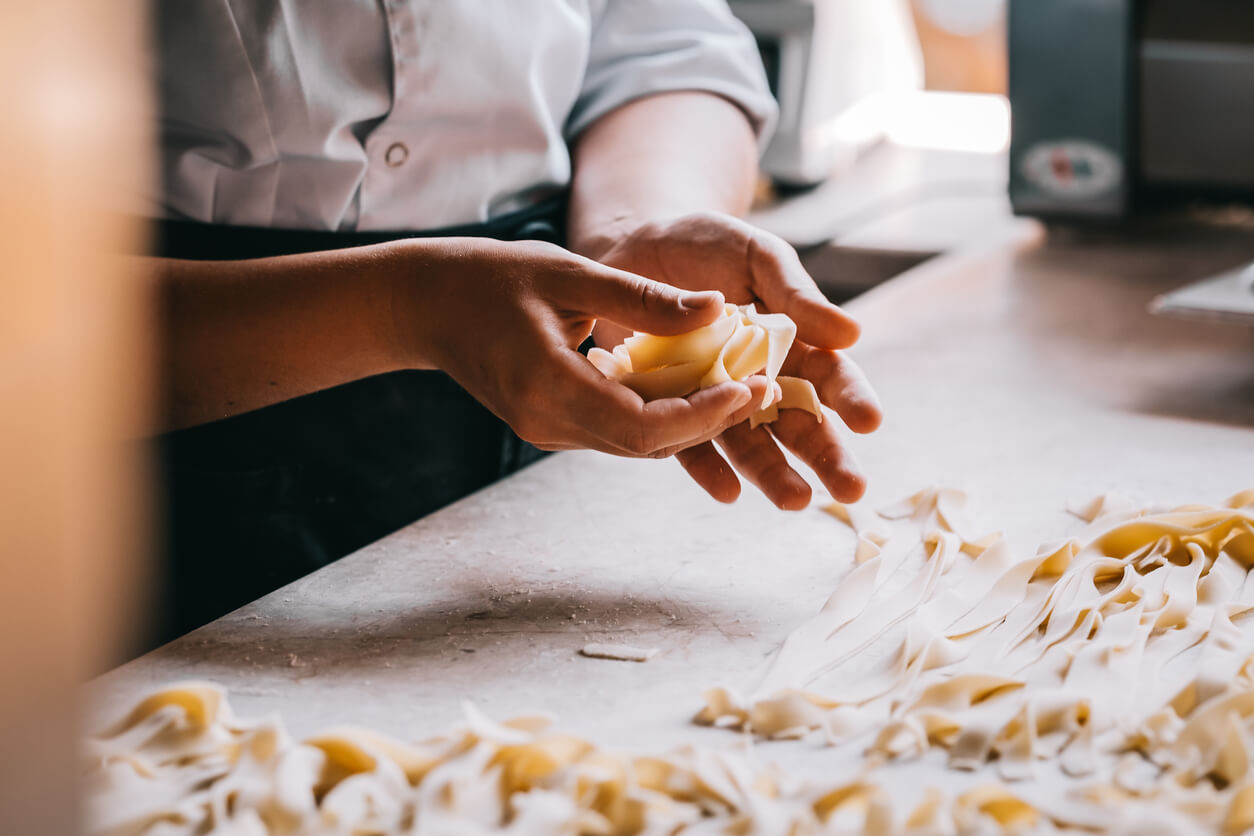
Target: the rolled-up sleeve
(642, 47)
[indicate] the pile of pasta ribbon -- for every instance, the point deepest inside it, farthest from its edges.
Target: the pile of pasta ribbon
(1117, 657)
(182, 764)
(740, 343)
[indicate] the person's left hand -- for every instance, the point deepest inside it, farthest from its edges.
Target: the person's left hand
(720, 252)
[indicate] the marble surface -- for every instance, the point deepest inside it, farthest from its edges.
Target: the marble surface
(1026, 369)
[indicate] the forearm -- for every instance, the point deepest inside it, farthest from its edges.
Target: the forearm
(659, 157)
(245, 334)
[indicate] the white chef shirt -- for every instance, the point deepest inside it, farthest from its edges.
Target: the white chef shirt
(414, 114)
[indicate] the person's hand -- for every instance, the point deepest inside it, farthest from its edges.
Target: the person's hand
(505, 319)
(747, 264)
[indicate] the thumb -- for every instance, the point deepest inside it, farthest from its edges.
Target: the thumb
(643, 304)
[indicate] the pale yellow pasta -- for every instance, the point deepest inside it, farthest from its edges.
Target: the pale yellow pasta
(1014, 660)
(1001, 659)
(740, 343)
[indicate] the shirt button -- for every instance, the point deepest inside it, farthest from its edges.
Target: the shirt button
(396, 155)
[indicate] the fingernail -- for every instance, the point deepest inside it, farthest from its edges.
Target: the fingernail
(702, 300)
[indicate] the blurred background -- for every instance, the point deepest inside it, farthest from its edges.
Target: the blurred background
(845, 74)
(75, 329)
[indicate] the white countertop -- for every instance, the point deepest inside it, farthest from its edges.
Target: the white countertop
(1029, 372)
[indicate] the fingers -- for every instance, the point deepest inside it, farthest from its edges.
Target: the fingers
(840, 384)
(818, 445)
(783, 284)
(636, 302)
(758, 387)
(754, 453)
(608, 416)
(711, 471)
(681, 422)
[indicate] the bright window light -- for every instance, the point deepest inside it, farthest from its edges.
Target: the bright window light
(972, 122)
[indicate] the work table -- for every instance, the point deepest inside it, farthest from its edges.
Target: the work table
(1023, 367)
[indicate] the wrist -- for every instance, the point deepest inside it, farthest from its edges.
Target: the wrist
(437, 289)
(593, 238)
(411, 269)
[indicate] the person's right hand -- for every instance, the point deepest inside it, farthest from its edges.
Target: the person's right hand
(505, 319)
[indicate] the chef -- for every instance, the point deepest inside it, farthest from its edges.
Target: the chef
(384, 228)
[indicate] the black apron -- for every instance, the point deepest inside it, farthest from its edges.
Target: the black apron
(255, 501)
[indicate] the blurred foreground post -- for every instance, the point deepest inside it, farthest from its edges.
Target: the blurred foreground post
(74, 333)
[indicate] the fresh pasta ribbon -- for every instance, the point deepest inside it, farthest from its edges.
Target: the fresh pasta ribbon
(1012, 660)
(740, 343)
(1114, 653)
(182, 764)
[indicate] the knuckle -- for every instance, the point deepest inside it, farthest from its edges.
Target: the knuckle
(709, 227)
(827, 456)
(651, 229)
(709, 217)
(768, 249)
(554, 266)
(756, 254)
(765, 458)
(713, 422)
(807, 434)
(776, 471)
(651, 294)
(545, 249)
(818, 364)
(637, 440)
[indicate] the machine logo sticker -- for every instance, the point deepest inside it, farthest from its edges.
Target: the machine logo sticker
(1073, 168)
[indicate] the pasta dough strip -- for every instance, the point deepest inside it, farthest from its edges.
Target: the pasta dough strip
(1114, 652)
(1078, 629)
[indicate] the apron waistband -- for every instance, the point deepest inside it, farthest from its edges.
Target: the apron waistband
(544, 221)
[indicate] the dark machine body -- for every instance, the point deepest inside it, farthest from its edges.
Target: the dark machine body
(1120, 105)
